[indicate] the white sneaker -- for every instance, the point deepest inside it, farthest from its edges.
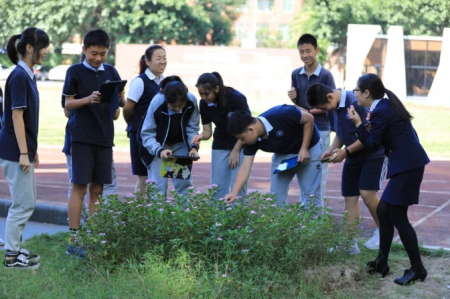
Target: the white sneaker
(2, 243)
(374, 242)
(354, 249)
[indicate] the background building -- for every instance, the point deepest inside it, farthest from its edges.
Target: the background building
(275, 16)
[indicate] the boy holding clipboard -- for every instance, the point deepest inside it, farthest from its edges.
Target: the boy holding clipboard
(91, 127)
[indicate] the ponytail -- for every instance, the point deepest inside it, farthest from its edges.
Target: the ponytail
(398, 106)
(375, 86)
(142, 65)
(221, 97)
(35, 37)
(13, 51)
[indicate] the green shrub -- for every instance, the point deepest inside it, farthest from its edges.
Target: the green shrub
(254, 232)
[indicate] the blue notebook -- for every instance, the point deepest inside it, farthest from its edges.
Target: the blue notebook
(290, 163)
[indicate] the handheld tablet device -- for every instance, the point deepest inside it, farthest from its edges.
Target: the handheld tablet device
(108, 88)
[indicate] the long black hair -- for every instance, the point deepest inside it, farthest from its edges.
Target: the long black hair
(148, 54)
(174, 90)
(375, 86)
(35, 37)
(210, 81)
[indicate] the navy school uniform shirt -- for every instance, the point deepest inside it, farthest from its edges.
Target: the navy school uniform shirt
(211, 114)
(341, 124)
(20, 92)
(301, 82)
(400, 141)
(285, 134)
(92, 123)
(1, 107)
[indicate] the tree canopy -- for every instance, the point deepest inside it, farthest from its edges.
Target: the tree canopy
(328, 19)
(127, 21)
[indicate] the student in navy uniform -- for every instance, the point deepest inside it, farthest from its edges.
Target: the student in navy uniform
(287, 132)
(67, 150)
(390, 127)
(1, 107)
(19, 141)
(169, 127)
(216, 106)
(142, 90)
(311, 73)
(91, 128)
(363, 170)
(2, 243)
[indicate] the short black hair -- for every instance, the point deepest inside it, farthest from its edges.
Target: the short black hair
(96, 37)
(239, 122)
(316, 94)
(307, 39)
(174, 90)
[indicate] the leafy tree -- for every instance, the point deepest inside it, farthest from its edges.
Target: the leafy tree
(328, 19)
(267, 39)
(135, 21)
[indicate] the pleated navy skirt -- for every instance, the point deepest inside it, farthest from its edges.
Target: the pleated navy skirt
(403, 188)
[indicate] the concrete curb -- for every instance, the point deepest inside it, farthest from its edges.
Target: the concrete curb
(43, 213)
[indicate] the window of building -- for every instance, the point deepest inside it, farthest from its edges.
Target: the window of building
(265, 5)
(421, 63)
(287, 6)
(284, 29)
(241, 31)
(374, 62)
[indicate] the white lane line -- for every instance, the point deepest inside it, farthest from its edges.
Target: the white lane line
(426, 217)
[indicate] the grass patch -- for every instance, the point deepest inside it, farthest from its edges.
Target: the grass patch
(62, 276)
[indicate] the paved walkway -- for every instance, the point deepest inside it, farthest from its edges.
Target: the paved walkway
(431, 217)
(35, 228)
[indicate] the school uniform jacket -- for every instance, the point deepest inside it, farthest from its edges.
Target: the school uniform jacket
(156, 125)
(398, 137)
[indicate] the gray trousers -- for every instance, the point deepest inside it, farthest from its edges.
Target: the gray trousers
(325, 137)
(222, 175)
(107, 188)
(154, 171)
(22, 187)
(309, 178)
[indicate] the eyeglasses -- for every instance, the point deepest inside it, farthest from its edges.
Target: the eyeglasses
(355, 90)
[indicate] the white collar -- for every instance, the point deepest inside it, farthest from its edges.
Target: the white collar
(27, 69)
(152, 76)
(343, 99)
(374, 104)
(316, 71)
(87, 65)
(266, 124)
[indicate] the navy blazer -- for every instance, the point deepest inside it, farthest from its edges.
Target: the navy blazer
(398, 137)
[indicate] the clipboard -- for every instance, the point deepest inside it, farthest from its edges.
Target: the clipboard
(108, 88)
(291, 163)
(177, 168)
(185, 157)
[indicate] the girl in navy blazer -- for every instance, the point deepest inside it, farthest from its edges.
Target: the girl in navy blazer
(390, 126)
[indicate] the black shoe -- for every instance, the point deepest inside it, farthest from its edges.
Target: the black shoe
(30, 257)
(410, 276)
(20, 262)
(373, 267)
